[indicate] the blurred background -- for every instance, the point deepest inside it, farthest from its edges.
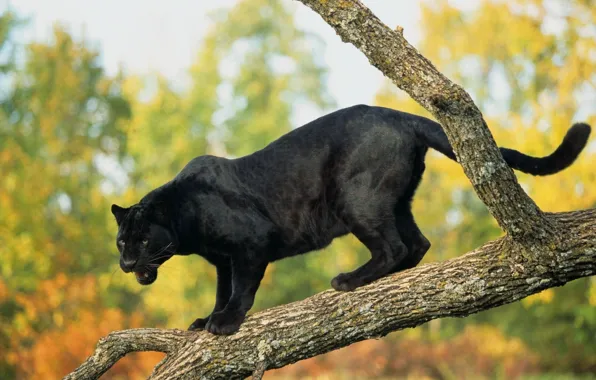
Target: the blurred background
(101, 101)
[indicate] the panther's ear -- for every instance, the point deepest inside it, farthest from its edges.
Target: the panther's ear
(119, 213)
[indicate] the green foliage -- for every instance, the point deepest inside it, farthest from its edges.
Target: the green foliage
(8, 23)
(61, 115)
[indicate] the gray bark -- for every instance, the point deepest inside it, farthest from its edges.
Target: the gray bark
(533, 256)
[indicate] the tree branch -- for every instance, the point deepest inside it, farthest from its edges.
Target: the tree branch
(495, 274)
(119, 343)
(474, 146)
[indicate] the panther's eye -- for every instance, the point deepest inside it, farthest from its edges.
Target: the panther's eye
(145, 242)
(121, 243)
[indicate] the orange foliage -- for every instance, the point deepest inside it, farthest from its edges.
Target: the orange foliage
(57, 352)
(70, 320)
(3, 291)
(478, 352)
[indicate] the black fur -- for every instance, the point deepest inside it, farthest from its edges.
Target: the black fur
(354, 170)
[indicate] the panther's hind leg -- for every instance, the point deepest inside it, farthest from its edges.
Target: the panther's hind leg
(387, 251)
(413, 238)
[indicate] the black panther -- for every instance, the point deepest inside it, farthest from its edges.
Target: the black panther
(354, 170)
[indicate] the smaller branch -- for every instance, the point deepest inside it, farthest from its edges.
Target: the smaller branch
(115, 345)
(259, 371)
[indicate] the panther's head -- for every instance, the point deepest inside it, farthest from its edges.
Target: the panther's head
(145, 240)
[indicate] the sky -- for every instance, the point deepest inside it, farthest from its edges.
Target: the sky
(145, 36)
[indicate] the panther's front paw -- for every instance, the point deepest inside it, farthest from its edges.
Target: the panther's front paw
(225, 322)
(345, 283)
(199, 324)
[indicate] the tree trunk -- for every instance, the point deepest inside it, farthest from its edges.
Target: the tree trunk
(533, 256)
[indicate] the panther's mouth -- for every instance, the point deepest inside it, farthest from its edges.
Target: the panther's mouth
(146, 277)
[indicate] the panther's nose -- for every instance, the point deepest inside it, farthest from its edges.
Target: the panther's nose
(127, 265)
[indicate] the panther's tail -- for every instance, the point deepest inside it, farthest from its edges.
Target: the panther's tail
(574, 142)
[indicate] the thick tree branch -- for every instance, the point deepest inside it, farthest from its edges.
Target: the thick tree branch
(495, 274)
(474, 146)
